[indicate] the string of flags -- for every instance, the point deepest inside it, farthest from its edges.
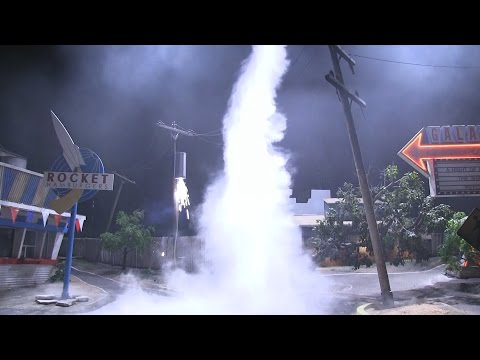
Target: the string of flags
(30, 217)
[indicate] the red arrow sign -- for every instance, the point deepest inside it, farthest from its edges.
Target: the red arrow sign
(417, 153)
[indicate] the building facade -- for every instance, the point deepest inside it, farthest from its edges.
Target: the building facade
(30, 232)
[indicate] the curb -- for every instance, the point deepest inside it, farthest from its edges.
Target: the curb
(362, 309)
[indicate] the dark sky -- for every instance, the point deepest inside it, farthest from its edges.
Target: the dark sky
(110, 97)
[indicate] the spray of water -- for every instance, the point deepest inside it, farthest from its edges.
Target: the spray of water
(255, 263)
(181, 196)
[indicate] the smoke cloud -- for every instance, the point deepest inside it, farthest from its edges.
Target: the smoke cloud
(254, 258)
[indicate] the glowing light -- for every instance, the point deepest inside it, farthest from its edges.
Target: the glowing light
(418, 153)
(181, 195)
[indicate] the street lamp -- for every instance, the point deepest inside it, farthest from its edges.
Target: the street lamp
(180, 191)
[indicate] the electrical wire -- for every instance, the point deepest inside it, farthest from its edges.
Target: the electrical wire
(414, 64)
(297, 57)
(208, 141)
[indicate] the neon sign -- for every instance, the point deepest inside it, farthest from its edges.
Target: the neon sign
(449, 156)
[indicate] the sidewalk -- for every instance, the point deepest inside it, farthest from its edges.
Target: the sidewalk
(391, 269)
(21, 301)
(455, 297)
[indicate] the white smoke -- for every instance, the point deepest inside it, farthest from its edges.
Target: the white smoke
(255, 262)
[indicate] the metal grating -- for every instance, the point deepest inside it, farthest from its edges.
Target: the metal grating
(18, 275)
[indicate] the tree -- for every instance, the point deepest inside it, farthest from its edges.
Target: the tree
(454, 248)
(403, 211)
(131, 234)
(406, 213)
(334, 237)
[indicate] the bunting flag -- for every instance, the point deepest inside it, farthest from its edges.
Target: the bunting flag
(57, 219)
(77, 225)
(14, 213)
(80, 223)
(29, 216)
(45, 214)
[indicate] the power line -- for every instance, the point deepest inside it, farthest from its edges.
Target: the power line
(208, 141)
(415, 64)
(217, 132)
(298, 56)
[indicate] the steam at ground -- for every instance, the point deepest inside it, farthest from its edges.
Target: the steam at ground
(254, 258)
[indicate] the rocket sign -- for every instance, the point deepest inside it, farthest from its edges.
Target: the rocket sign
(77, 180)
(449, 156)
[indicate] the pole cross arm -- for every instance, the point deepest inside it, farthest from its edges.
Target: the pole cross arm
(178, 131)
(343, 54)
(331, 79)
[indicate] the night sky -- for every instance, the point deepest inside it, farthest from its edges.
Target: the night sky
(110, 97)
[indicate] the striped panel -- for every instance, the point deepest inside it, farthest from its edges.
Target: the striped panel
(50, 196)
(8, 176)
(18, 187)
(30, 190)
(18, 275)
(41, 193)
(1, 179)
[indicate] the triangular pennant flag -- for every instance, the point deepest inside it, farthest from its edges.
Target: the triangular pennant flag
(77, 225)
(29, 216)
(14, 213)
(80, 222)
(45, 214)
(57, 219)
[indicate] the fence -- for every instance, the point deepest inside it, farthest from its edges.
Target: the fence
(190, 252)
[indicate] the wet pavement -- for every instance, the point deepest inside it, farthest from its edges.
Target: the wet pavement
(432, 293)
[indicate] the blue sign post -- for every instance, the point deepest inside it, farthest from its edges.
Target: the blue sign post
(75, 176)
(68, 260)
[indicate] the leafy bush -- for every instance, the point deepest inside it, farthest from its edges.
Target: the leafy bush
(58, 272)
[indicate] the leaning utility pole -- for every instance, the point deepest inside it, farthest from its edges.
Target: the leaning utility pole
(346, 97)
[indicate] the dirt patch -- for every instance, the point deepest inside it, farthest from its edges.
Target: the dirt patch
(419, 309)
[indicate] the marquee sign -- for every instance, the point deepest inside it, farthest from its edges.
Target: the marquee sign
(449, 156)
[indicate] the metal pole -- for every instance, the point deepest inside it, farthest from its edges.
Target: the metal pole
(68, 260)
(387, 295)
(175, 209)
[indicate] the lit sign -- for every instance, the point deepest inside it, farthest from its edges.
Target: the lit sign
(449, 156)
(453, 134)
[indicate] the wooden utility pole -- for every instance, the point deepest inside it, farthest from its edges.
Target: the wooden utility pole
(123, 179)
(346, 97)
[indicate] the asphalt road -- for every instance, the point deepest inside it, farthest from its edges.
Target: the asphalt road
(349, 290)
(346, 290)
(111, 286)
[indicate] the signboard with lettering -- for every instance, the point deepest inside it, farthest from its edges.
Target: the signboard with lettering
(457, 177)
(449, 156)
(79, 180)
